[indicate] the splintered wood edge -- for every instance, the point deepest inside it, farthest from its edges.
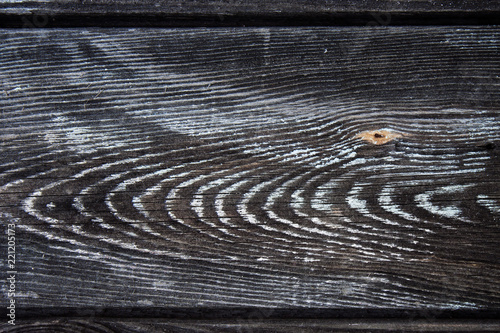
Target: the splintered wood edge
(379, 137)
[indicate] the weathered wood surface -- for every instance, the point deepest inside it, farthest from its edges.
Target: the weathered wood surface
(253, 326)
(169, 13)
(206, 168)
(204, 7)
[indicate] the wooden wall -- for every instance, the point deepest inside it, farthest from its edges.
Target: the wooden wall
(268, 179)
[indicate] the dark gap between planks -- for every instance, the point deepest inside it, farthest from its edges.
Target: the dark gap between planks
(228, 313)
(43, 20)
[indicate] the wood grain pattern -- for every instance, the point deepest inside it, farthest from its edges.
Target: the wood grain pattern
(252, 13)
(205, 168)
(241, 325)
(260, 7)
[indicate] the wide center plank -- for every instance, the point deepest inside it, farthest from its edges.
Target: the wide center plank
(278, 168)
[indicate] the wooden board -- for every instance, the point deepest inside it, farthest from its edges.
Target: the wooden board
(168, 13)
(260, 7)
(180, 171)
(254, 325)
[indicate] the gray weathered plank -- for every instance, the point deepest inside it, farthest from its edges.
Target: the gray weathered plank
(260, 7)
(151, 13)
(203, 168)
(252, 325)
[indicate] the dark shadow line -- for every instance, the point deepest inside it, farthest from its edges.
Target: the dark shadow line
(42, 20)
(228, 313)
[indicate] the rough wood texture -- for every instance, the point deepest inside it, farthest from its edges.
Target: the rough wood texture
(252, 326)
(246, 7)
(206, 168)
(201, 13)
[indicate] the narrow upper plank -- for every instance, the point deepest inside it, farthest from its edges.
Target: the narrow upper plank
(205, 168)
(261, 7)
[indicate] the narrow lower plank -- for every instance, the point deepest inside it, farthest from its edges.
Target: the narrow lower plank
(279, 168)
(251, 325)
